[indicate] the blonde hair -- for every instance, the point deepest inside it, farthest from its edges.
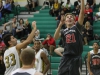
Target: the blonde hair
(86, 24)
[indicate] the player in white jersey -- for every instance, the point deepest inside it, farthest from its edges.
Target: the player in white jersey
(27, 57)
(11, 55)
(42, 63)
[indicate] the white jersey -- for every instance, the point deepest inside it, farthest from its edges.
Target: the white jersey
(11, 60)
(20, 71)
(39, 65)
(92, 52)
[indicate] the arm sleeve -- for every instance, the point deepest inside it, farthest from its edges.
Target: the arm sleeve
(51, 42)
(44, 42)
(79, 27)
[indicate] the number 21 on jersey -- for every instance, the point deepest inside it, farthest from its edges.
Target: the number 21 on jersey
(70, 38)
(10, 60)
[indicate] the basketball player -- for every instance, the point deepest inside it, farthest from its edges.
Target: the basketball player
(70, 62)
(27, 57)
(42, 63)
(93, 61)
(11, 55)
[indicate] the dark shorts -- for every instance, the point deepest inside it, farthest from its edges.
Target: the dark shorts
(95, 71)
(69, 65)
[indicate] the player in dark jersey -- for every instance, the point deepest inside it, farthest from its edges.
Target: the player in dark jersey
(73, 47)
(93, 60)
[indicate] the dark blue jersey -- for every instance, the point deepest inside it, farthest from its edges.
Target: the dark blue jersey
(72, 39)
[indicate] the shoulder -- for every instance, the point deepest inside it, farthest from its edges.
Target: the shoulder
(91, 52)
(14, 71)
(38, 73)
(99, 51)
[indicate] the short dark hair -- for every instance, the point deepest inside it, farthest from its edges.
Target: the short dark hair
(96, 42)
(23, 38)
(27, 56)
(37, 41)
(7, 38)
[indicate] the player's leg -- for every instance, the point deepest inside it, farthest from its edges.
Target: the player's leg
(75, 67)
(64, 66)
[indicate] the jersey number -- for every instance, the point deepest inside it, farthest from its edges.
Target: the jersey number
(96, 61)
(70, 38)
(13, 61)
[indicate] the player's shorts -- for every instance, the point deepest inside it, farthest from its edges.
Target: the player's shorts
(95, 71)
(70, 65)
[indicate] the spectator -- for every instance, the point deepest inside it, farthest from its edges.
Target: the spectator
(59, 17)
(2, 45)
(89, 13)
(97, 15)
(22, 40)
(37, 35)
(60, 48)
(1, 9)
(29, 5)
(34, 2)
(27, 27)
(76, 10)
(47, 3)
(92, 3)
(6, 30)
(49, 43)
(66, 6)
(55, 8)
(20, 29)
(78, 2)
(87, 33)
(12, 4)
(93, 63)
(2, 66)
(7, 7)
(88, 10)
(14, 26)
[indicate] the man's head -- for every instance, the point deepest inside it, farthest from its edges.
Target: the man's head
(14, 19)
(87, 6)
(23, 39)
(95, 45)
(69, 20)
(49, 36)
(27, 56)
(9, 40)
(37, 45)
(26, 22)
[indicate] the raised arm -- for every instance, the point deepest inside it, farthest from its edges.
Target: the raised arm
(57, 32)
(81, 15)
(29, 39)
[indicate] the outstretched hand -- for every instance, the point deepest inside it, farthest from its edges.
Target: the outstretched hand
(34, 24)
(62, 21)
